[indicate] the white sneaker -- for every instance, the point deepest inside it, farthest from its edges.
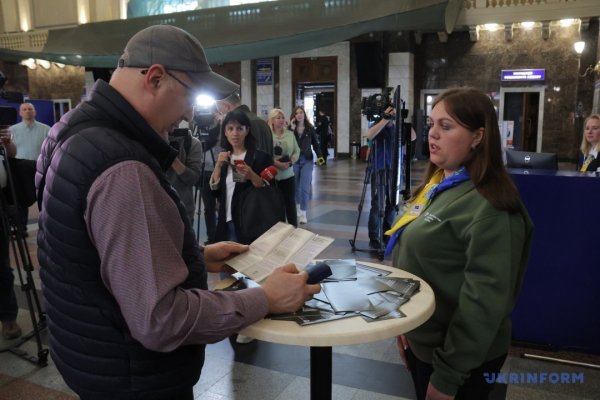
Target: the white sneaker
(298, 210)
(241, 339)
(302, 217)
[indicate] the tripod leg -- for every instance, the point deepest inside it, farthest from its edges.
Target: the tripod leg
(38, 318)
(360, 204)
(382, 197)
(198, 203)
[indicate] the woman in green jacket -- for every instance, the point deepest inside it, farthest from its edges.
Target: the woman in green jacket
(285, 154)
(465, 232)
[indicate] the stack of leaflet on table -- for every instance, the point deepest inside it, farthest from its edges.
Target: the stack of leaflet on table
(355, 289)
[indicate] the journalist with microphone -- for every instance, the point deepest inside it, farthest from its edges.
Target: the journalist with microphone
(239, 166)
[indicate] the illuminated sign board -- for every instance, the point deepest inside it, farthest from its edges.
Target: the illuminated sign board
(523, 74)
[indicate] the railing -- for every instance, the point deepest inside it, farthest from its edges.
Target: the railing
(470, 4)
(34, 40)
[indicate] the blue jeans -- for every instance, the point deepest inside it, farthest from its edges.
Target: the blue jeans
(303, 170)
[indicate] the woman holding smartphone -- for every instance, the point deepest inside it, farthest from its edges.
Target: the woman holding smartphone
(285, 153)
(237, 167)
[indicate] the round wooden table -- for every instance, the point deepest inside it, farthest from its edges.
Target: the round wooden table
(322, 337)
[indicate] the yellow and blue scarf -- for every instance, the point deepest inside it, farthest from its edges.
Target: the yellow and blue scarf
(590, 157)
(436, 184)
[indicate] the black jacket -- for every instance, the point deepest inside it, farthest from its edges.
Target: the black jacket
(309, 138)
(260, 130)
(89, 338)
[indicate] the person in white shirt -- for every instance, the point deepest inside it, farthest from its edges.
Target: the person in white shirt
(28, 136)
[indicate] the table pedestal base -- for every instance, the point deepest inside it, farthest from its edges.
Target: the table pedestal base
(320, 373)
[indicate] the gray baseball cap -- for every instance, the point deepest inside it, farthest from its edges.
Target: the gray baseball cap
(177, 50)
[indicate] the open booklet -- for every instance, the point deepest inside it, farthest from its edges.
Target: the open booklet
(281, 244)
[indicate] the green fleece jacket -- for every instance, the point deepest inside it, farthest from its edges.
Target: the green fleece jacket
(289, 147)
(474, 257)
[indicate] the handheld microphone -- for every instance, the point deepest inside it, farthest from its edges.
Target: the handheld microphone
(268, 174)
(317, 272)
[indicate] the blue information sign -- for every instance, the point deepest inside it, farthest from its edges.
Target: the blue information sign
(523, 74)
(264, 71)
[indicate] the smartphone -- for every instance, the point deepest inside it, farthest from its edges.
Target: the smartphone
(238, 162)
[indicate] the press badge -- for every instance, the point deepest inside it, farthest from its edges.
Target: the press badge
(415, 209)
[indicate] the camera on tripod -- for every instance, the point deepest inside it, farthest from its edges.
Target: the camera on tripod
(11, 97)
(19, 192)
(374, 106)
(204, 119)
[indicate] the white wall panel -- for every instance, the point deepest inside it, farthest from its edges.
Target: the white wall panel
(10, 16)
(47, 14)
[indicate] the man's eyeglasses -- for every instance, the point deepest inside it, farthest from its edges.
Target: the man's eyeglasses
(185, 85)
(190, 91)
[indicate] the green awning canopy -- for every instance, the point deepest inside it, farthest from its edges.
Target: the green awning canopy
(250, 31)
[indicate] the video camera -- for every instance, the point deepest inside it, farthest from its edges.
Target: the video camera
(8, 115)
(204, 118)
(11, 97)
(374, 106)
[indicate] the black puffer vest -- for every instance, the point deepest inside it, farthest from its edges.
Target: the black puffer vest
(89, 339)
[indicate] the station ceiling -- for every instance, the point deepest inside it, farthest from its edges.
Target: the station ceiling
(250, 31)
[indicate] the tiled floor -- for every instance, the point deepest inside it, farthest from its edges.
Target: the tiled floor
(263, 370)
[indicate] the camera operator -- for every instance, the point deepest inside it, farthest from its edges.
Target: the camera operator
(211, 149)
(8, 301)
(381, 135)
(186, 168)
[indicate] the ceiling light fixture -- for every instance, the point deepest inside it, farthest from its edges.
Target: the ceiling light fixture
(29, 63)
(43, 63)
(565, 23)
(527, 25)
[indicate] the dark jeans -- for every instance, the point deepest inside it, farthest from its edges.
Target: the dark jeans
(210, 207)
(8, 301)
(323, 142)
(475, 387)
(231, 234)
(380, 203)
(288, 190)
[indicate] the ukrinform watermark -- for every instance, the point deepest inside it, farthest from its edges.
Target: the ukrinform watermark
(522, 378)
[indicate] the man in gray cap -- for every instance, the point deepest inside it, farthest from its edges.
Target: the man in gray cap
(123, 276)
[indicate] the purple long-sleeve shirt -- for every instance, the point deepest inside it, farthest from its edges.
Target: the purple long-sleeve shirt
(138, 233)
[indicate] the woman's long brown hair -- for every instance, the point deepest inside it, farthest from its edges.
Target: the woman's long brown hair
(473, 110)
